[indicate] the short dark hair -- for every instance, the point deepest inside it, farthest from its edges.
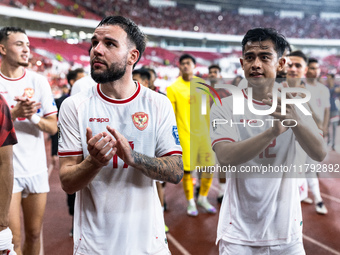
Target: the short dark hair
(298, 53)
(144, 73)
(133, 32)
(72, 74)
(233, 82)
(215, 66)
(186, 56)
(5, 31)
(331, 75)
(262, 34)
(288, 48)
(312, 60)
(153, 71)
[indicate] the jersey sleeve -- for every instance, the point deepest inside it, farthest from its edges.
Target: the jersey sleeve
(221, 128)
(69, 142)
(7, 133)
(47, 101)
(167, 134)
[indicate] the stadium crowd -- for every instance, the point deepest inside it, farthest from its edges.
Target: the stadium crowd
(182, 19)
(187, 18)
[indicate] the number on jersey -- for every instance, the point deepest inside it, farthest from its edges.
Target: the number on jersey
(115, 158)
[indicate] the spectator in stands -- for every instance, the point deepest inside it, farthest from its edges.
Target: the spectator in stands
(186, 18)
(334, 90)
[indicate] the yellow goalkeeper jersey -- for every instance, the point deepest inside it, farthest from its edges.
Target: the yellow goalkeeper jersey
(193, 126)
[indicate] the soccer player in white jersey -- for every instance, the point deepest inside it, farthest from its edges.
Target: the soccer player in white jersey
(320, 105)
(7, 140)
(33, 112)
(82, 84)
(115, 140)
(259, 214)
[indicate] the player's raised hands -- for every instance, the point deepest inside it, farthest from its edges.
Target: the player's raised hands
(101, 147)
(24, 108)
(282, 120)
(123, 147)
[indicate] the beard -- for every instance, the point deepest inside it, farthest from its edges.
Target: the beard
(113, 73)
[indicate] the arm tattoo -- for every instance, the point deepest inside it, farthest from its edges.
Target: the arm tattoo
(168, 169)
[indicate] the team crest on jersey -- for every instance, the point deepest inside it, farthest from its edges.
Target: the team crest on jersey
(28, 92)
(140, 120)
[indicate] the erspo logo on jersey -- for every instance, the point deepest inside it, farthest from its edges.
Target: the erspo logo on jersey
(100, 120)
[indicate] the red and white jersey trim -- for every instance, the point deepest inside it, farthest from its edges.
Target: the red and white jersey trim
(222, 140)
(51, 113)
(118, 101)
(13, 79)
(70, 153)
(172, 153)
(254, 101)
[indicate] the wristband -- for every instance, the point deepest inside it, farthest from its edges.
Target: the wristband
(6, 241)
(35, 119)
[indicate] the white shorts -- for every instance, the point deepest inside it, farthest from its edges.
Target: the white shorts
(293, 248)
(32, 184)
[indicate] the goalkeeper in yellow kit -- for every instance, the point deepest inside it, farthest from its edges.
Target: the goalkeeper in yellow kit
(193, 131)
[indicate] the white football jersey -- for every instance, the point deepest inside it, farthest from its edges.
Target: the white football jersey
(258, 209)
(29, 153)
(320, 99)
(119, 212)
(82, 84)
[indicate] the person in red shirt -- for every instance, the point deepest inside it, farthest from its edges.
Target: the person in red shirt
(7, 140)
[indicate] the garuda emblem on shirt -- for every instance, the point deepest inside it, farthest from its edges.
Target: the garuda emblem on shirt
(140, 120)
(28, 92)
